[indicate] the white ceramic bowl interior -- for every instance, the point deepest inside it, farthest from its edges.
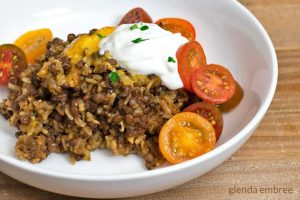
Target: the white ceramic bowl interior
(230, 35)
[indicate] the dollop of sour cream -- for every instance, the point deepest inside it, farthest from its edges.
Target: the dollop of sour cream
(144, 48)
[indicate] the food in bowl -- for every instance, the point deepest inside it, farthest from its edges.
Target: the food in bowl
(140, 87)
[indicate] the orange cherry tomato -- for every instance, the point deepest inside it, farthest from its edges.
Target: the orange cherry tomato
(177, 25)
(34, 43)
(136, 15)
(213, 83)
(12, 62)
(185, 136)
(190, 56)
(209, 112)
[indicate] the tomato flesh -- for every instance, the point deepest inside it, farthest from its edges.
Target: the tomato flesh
(211, 113)
(177, 25)
(185, 136)
(4, 76)
(190, 56)
(12, 62)
(136, 15)
(213, 83)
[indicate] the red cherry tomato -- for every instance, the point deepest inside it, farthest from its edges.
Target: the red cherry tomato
(190, 56)
(12, 62)
(136, 15)
(177, 25)
(213, 83)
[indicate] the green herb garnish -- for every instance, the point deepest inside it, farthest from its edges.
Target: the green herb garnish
(114, 77)
(171, 59)
(135, 26)
(100, 36)
(143, 28)
(138, 40)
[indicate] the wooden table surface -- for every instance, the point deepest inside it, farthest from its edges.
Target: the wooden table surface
(270, 158)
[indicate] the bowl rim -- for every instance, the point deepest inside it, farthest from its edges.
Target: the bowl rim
(185, 165)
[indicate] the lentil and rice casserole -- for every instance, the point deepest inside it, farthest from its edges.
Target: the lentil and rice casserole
(61, 107)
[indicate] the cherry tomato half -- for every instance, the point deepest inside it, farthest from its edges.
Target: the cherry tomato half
(136, 15)
(209, 112)
(33, 43)
(12, 62)
(177, 25)
(190, 56)
(186, 136)
(213, 83)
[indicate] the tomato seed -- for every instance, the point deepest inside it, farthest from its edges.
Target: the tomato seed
(15, 58)
(224, 78)
(199, 83)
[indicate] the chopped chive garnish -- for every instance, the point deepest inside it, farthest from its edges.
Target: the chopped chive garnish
(143, 28)
(171, 59)
(135, 26)
(114, 77)
(100, 36)
(138, 40)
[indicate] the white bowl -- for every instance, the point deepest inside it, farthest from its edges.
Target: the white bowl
(230, 35)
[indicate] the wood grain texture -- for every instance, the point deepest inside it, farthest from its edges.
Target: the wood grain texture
(281, 20)
(271, 157)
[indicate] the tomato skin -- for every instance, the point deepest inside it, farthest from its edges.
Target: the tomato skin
(136, 15)
(213, 83)
(185, 136)
(211, 113)
(177, 25)
(34, 43)
(12, 62)
(190, 56)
